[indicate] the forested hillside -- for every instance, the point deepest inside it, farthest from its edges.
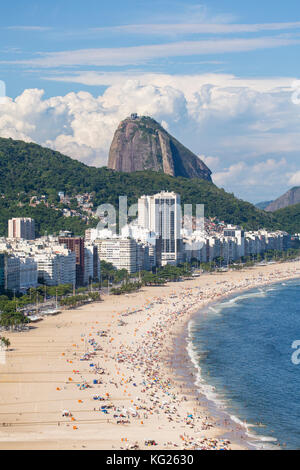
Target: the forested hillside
(29, 169)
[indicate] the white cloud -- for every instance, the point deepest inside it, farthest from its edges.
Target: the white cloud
(79, 124)
(246, 130)
(212, 162)
(295, 179)
(121, 56)
(190, 84)
(266, 172)
(260, 180)
(196, 28)
(28, 28)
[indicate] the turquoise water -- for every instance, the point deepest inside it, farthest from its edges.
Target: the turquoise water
(243, 348)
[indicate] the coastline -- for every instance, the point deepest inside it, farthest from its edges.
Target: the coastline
(237, 431)
(133, 355)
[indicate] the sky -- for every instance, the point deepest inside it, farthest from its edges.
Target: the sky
(222, 77)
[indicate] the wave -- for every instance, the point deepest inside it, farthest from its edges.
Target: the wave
(212, 395)
(208, 390)
(229, 403)
(217, 308)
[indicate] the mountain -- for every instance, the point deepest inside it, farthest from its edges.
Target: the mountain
(289, 217)
(290, 198)
(263, 205)
(140, 143)
(28, 169)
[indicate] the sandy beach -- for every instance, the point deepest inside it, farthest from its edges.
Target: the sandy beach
(103, 376)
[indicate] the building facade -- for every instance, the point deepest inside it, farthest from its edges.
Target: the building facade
(161, 213)
(122, 253)
(21, 228)
(76, 245)
(28, 272)
(56, 268)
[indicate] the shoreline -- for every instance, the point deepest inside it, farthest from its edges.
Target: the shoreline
(237, 431)
(139, 374)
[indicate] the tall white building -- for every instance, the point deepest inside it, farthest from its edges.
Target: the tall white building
(28, 272)
(196, 246)
(91, 263)
(122, 253)
(161, 213)
(88, 264)
(10, 272)
(21, 228)
(56, 267)
(232, 232)
(149, 244)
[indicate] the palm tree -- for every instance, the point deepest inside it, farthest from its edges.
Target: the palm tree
(4, 342)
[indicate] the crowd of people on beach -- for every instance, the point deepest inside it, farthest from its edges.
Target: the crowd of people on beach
(152, 398)
(122, 383)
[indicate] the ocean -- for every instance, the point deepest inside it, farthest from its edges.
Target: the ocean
(242, 349)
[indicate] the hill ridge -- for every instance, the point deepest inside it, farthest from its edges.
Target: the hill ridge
(290, 198)
(27, 169)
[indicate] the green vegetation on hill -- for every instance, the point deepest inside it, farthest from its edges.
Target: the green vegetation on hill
(47, 220)
(29, 169)
(289, 217)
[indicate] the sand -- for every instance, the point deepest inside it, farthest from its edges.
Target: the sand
(131, 340)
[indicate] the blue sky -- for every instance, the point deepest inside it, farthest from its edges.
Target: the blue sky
(30, 30)
(218, 75)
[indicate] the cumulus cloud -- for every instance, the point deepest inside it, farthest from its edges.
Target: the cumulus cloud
(295, 179)
(212, 162)
(81, 125)
(267, 172)
(247, 131)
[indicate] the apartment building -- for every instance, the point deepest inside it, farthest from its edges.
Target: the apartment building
(76, 245)
(91, 263)
(122, 253)
(9, 272)
(28, 272)
(161, 213)
(56, 267)
(21, 228)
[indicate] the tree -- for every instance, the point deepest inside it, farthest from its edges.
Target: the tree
(4, 342)
(13, 321)
(31, 170)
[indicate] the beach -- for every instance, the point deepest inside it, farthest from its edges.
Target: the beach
(104, 376)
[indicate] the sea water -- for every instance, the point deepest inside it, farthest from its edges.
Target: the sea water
(242, 348)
